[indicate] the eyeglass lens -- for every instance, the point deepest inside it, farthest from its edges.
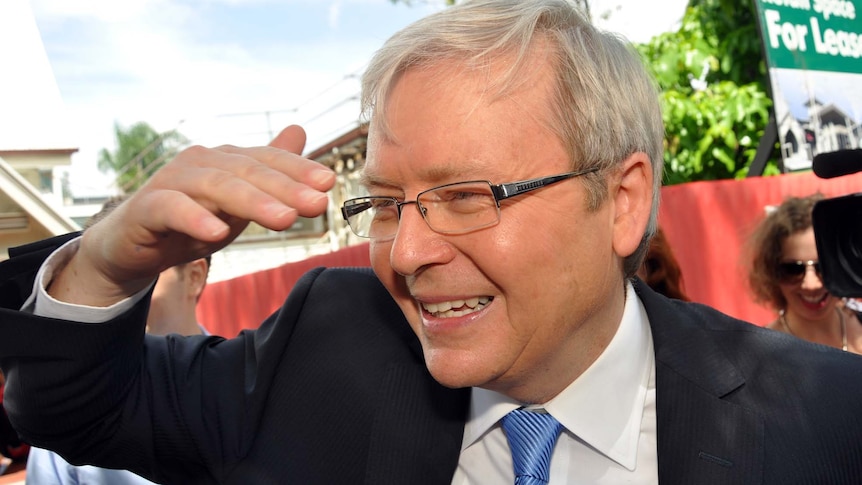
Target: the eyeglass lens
(794, 271)
(459, 207)
(449, 209)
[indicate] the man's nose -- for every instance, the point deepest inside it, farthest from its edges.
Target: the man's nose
(416, 245)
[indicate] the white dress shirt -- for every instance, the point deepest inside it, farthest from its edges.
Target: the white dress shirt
(608, 414)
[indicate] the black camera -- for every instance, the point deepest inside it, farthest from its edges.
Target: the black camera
(838, 226)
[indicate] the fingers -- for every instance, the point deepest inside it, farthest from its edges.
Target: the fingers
(152, 231)
(303, 170)
(291, 139)
(217, 198)
(263, 184)
(164, 212)
(267, 185)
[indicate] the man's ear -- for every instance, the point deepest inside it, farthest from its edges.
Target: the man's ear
(196, 274)
(632, 195)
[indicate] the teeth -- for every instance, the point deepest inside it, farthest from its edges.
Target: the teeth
(456, 308)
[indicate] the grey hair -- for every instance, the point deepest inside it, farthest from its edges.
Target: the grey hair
(606, 103)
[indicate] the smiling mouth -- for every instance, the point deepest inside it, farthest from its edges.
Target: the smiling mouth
(814, 300)
(457, 308)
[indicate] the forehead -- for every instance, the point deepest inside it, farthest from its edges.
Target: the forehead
(445, 122)
(800, 245)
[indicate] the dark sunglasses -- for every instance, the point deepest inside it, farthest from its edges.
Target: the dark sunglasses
(794, 271)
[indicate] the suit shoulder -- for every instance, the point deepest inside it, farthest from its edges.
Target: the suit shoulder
(354, 289)
(355, 279)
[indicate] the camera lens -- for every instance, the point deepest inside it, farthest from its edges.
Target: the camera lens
(838, 234)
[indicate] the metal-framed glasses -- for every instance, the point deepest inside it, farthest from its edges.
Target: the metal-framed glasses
(794, 271)
(454, 208)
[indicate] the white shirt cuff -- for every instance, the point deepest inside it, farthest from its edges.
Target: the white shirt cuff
(42, 304)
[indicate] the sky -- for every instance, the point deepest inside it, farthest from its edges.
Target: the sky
(234, 71)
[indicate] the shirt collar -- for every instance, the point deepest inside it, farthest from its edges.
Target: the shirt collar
(604, 405)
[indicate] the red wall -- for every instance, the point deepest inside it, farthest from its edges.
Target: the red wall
(226, 307)
(708, 222)
(705, 222)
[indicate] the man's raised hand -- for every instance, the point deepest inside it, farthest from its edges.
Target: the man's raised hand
(193, 206)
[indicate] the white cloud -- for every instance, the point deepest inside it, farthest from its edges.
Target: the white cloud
(334, 13)
(101, 10)
(637, 20)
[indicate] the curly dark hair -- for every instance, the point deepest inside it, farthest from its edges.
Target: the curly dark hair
(764, 246)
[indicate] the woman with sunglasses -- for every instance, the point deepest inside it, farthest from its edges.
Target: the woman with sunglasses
(785, 274)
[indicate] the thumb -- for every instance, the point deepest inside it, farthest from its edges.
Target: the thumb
(291, 139)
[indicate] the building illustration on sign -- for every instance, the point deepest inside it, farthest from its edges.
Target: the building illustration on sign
(817, 122)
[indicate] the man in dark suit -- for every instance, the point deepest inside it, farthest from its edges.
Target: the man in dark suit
(513, 166)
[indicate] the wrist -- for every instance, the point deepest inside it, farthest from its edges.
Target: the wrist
(79, 282)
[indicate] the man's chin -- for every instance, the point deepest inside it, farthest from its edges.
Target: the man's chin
(454, 373)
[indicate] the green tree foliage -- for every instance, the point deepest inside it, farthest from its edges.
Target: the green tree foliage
(140, 151)
(714, 99)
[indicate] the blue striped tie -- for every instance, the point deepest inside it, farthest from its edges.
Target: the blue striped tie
(531, 437)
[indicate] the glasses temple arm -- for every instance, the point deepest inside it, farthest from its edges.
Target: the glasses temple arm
(504, 191)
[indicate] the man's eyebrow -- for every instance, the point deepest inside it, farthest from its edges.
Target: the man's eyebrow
(433, 176)
(371, 180)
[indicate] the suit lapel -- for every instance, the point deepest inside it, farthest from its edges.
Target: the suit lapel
(702, 437)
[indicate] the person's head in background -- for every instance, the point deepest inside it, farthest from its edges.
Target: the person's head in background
(785, 275)
(177, 291)
(660, 269)
(783, 237)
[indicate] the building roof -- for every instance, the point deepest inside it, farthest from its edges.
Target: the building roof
(23, 194)
(32, 113)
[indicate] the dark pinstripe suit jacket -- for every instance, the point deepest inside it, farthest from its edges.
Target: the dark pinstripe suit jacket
(332, 389)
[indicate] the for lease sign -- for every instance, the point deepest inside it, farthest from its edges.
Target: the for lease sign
(824, 35)
(814, 54)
